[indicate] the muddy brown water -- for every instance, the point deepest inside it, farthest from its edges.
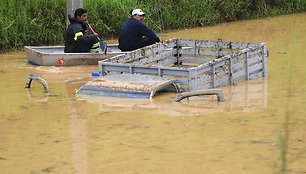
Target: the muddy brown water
(260, 128)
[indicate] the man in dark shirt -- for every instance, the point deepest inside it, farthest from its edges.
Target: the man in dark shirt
(77, 38)
(134, 34)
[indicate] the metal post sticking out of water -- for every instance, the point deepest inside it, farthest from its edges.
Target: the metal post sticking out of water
(38, 79)
(72, 5)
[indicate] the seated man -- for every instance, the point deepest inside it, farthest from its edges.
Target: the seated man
(77, 39)
(134, 34)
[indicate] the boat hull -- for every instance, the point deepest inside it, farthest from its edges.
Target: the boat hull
(55, 56)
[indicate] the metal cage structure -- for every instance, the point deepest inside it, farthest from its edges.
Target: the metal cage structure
(194, 64)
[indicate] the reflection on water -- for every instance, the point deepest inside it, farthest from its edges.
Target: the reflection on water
(55, 74)
(34, 98)
(260, 128)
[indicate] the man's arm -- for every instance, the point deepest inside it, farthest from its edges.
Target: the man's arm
(144, 30)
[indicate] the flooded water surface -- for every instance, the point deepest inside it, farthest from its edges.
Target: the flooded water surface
(260, 128)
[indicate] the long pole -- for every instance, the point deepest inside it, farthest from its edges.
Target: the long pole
(72, 5)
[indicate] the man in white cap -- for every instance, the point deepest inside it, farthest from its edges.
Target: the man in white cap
(134, 34)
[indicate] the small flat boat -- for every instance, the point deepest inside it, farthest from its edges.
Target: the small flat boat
(55, 56)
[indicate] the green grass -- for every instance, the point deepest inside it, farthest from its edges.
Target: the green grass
(31, 22)
(42, 22)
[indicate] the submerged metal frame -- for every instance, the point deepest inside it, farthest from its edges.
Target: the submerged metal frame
(217, 63)
(217, 92)
(38, 79)
(164, 85)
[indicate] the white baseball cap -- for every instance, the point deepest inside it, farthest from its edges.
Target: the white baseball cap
(137, 12)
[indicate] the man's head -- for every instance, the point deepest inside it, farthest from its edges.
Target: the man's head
(81, 15)
(138, 14)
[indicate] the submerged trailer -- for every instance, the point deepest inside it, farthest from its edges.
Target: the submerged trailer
(193, 64)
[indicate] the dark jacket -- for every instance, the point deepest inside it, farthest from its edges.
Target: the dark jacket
(132, 32)
(76, 37)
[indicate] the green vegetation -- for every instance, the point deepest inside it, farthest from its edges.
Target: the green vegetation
(42, 22)
(31, 22)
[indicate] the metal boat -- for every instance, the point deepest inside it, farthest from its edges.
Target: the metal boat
(55, 56)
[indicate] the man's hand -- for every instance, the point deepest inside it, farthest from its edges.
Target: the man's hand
(96, 34)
